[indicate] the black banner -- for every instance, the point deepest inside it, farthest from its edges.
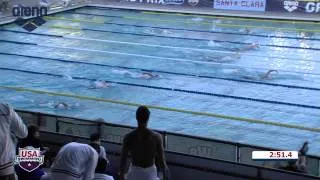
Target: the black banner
(175, 3)
(294, 6)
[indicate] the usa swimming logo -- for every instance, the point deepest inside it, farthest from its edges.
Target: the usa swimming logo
(29, 158)
(29, 24)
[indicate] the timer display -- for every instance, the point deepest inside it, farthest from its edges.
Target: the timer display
(274, 155)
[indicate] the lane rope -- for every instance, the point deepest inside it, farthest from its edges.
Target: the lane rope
(175, 89)
(153, 57)
(216, 24)
(213, 50)
(165, 72)
(256, 121)
(219, 41)
(196, 30)
(228, 25)
(184, 48)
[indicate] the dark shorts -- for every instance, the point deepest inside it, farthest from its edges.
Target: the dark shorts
(8, 177)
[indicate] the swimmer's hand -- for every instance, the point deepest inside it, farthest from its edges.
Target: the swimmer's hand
(304, 149)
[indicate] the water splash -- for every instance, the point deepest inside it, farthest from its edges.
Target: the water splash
(197, 19)
(212, 44)
(167, 32)
(67, 77)
(149, 31)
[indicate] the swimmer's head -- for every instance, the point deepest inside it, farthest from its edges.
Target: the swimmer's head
(68, 77)
(61, 105)
(254, 45)
(273, 72)
(269, 74)
(101, 84)
(148, 75)
(165, 31)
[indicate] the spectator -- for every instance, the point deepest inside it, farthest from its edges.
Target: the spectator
(33, 141)
(4, 5)
(75, 161)
(146, 149)
(95, 142)
(11, 126)
(100, 173)
(300, 164)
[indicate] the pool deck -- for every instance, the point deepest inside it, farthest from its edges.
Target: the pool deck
(206, 11)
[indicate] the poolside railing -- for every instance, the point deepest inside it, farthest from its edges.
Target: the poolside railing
(173, 142)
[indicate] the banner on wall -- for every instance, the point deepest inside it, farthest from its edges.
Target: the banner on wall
(185, 3)
(241, 5)
(294, 6)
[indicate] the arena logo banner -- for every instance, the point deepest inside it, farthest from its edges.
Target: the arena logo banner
(190, 3)
(294, 6)
(241, 5)
(22, 12)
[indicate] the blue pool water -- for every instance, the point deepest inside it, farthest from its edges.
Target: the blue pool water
(206, 58)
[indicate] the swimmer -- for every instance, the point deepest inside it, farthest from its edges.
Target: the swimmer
(166, 32)
(143, 75)
(226, 59)
(150, 31)
(268, 75)
(4, 5)
(248, 48)
(68, 77)
(65, 3)
(100, 84)
(124, 72)
(299, 165)
(44, 3)
(61, 105)
(148, 75)
(265, 76)
(246, 30)
(306, 35)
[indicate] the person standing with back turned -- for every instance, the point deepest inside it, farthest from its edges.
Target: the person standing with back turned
(11, 126)
(146, 149)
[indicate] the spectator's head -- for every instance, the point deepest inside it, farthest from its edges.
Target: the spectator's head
(68, 159)
(142, 116)
(101, 166)
(33, 131)
(95, 138)
(96, 147)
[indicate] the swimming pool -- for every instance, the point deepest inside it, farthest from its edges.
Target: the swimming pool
(204, 63)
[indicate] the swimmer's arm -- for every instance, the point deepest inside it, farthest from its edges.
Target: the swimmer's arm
(124, 156)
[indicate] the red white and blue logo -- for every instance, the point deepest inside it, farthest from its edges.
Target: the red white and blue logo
(29, 158)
